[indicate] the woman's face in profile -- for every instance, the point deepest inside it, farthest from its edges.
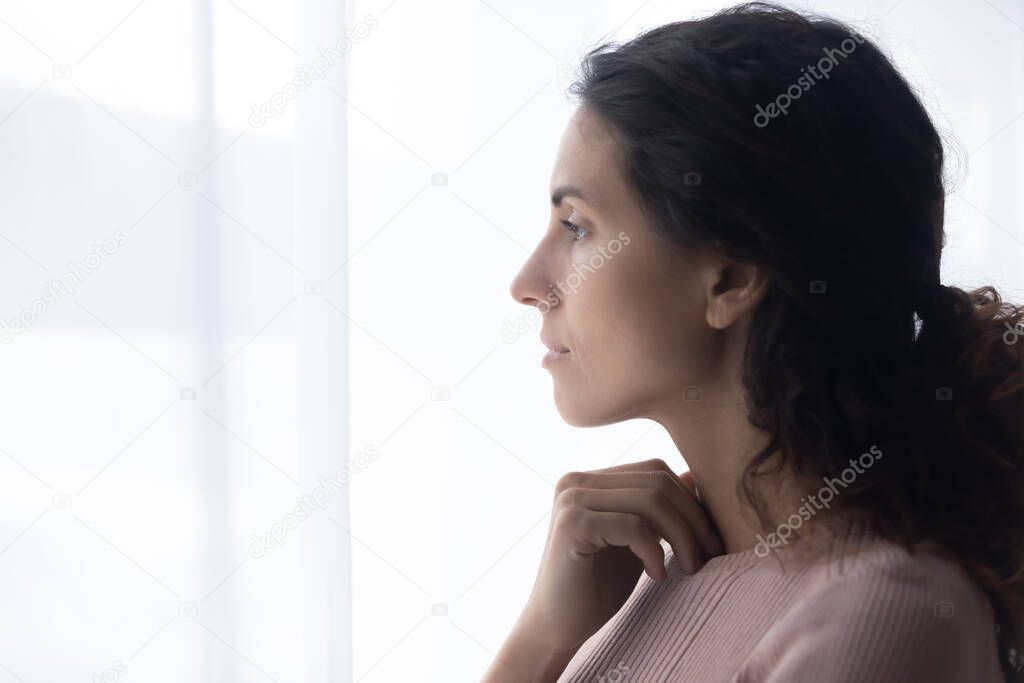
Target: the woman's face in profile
(629, 308)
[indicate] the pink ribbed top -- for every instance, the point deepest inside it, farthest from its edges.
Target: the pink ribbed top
(869, 613)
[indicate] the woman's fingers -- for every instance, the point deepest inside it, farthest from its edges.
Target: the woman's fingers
(642, 466)
(593, 531)
(665, 482)
(648, 503)
(686, 479)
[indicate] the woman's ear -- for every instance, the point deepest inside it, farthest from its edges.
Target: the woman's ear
(732, 289)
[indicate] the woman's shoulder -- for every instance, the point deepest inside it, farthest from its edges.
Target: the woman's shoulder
(882, 613)
(874, 565)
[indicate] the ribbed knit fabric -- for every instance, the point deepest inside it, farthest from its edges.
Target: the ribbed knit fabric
(868, 612)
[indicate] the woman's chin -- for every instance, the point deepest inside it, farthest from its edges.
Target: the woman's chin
(570, 411)
(577, 412)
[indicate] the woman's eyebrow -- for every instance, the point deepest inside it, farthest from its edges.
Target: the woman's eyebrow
(564, 191)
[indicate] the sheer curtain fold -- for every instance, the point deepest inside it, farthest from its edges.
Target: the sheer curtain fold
(175, 494)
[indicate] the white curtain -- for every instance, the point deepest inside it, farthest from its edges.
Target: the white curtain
(174, 438)
(358, 488)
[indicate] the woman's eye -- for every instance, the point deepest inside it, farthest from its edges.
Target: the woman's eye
(577, 230)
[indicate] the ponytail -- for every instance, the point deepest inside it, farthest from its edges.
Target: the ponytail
(976, 340)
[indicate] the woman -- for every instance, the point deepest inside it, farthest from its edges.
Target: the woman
(745, 236)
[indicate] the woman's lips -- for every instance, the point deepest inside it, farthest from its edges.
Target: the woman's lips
(555, 352)
(553, 345)
(552, 356)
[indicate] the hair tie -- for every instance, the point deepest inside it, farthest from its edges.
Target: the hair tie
(928, 298)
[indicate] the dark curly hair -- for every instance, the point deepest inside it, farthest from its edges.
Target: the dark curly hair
(830, 179)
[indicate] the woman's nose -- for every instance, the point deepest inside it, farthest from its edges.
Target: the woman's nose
(529, 286)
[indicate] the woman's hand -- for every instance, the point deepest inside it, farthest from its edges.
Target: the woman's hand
(606, 526)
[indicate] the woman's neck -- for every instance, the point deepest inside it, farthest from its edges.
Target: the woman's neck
(717, 441)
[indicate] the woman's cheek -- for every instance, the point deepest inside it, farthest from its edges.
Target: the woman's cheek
(581, 253)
